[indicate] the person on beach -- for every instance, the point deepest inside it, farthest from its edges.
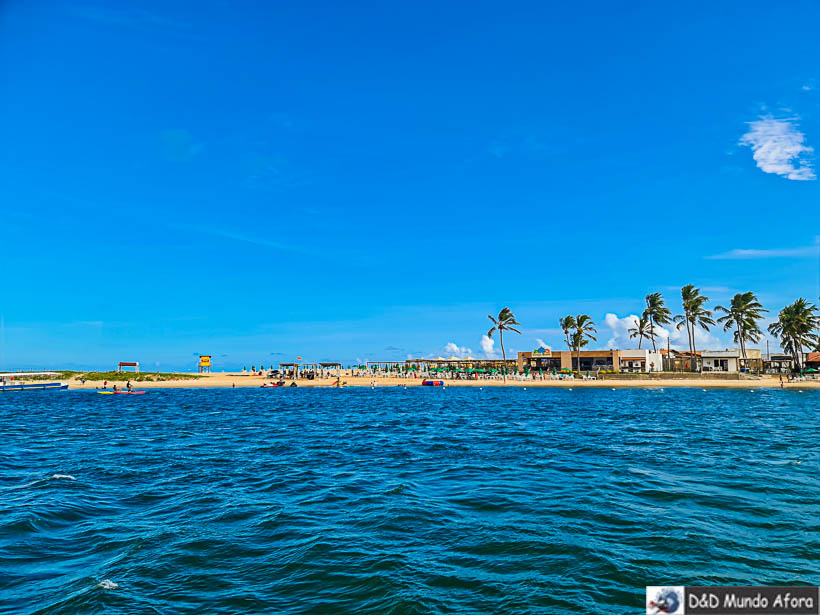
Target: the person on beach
(128, 386)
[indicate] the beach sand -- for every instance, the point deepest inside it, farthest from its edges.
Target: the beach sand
(246, 380)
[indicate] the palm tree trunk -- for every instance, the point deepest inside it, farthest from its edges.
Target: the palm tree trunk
(694, 350)
(503, 354)
(742, 337)
(652, 333)
(691, 334)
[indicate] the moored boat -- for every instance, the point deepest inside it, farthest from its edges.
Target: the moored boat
(12, 386)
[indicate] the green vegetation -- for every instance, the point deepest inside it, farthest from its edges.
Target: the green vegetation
(505, 322)
(144, 377)
(797, 327)
(743, 313)
(58, 375)
(657, 313)
(694, 315)
(584, 328)
(640, 330)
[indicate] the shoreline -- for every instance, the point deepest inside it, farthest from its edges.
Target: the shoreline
(229, 380)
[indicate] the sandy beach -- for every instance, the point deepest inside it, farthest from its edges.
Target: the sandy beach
(225, 379)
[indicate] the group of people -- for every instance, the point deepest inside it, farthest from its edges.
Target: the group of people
(115, 388)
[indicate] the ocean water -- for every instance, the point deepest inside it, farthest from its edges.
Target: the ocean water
(401, 501)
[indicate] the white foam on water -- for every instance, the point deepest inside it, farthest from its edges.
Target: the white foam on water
(107, 584)
(65, 476)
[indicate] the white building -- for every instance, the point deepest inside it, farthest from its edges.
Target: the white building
(720, 360)
(642, 360)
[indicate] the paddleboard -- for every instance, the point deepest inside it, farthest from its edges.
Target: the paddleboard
(121, 392)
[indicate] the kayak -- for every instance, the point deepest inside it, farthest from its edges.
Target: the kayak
(121, 392)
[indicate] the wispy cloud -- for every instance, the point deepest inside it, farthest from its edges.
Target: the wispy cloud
(179, 146)
(743, 254)
(258, 241)
(777, 147)
(132, 18)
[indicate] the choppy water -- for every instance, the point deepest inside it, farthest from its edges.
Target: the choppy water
(400, 501)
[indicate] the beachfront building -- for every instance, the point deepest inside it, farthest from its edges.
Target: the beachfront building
(680, 360)
(720, 361)
(548, 361)
(778, 364)
(731, 360)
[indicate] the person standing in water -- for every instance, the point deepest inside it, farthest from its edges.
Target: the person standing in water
(128, 386)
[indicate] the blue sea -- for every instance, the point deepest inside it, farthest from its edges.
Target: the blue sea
(461, 500)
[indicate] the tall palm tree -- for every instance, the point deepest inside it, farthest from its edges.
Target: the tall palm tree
(584, 328)
(795, 326)
(694, 315)
(640, 330)
(567, 324)
(743, 313)
(657, 313)
(505, 322)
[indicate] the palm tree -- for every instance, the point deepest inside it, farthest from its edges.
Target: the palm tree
(743, 313)
(584, 328)
(567, 324)
(640, 330)
(657, 313)
(795, 326)
(505, 322)
(694, 314)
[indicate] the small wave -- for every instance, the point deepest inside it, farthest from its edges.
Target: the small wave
(107, 584)
(65, 476)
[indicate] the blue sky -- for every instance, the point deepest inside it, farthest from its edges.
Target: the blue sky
(336, 181)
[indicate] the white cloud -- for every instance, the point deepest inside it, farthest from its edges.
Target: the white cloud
(677, 338)
(777, 147)
(542, 343)
(454, 350)
(619, 331)
(742, 253)
(488, 347)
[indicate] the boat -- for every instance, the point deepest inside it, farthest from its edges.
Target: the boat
(272, 385)
(51, 386)
(432, 383)
(7, 382)
(121, 392)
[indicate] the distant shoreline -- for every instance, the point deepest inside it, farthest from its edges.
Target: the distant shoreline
(228, 380)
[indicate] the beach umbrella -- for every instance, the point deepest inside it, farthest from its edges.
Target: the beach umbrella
(811, 370)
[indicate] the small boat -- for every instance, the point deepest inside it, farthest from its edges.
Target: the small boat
(432, 383)
(121, 392)
(272, 385)
(52, 386)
